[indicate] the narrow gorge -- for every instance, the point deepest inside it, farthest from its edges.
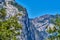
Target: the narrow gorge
(32, 29)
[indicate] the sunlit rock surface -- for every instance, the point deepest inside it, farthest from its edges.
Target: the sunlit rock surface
(32, 29)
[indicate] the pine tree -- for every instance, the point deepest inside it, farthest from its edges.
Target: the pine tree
(57, 25)
(9, 28)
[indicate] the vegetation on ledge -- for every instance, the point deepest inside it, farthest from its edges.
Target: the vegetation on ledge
(9, 28)
(55, 29)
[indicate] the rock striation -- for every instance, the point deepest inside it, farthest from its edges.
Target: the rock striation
(32, 29)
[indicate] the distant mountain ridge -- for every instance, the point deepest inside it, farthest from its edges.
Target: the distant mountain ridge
(39, 26)
(32, 29)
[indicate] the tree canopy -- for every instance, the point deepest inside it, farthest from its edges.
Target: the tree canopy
(9, 28)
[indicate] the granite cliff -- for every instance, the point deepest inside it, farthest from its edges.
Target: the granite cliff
(32, 29)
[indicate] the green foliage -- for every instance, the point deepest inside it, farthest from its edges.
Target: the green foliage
(9, 28)
(57, 21)
(2, 13)
(51, 30)
(58, 35)
(57, 25)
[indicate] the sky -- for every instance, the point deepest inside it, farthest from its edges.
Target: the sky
(36, 8)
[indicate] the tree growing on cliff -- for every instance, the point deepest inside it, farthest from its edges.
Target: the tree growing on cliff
(57, 28)
(9, 28)
(57, 23)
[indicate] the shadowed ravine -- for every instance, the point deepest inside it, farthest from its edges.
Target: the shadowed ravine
(32, 29)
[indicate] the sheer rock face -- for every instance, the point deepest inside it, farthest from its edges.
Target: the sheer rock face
(11, 10)
(1, 3)
(32, 29)
(39, 25)
(8, 0)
